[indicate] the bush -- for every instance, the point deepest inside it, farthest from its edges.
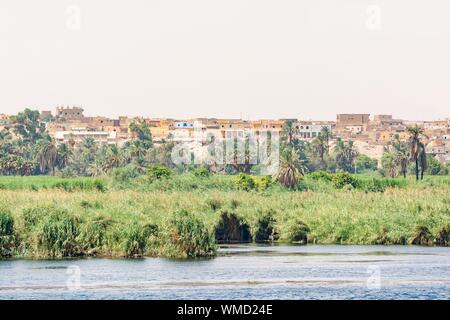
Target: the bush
(373, 185)
(231, 228)
(124, 175)
(7, 236)
(244, 182)
(263, 183)
(443, 236)
(92, 235)
(201, 172)
(320, 175)
(265, 228)
(422, 236)
(343, 179)
(189, 237)
(135, 238)
(298, 232)
(157, 172)
(57, 235)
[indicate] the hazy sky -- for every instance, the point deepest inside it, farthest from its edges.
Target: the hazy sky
(305, 59)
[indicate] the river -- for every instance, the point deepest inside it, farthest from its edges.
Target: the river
(241, 272)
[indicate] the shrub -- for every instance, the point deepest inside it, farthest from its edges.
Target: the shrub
(374, 185)
(422, 236)
(124, 175)
(7, 236)
(157, 172)
(189, 237)
(320, 175)
(231, 228)
(99, 185)
(265, 228)
(57, 235)
(201, 172)
(263, 183)
(298, 232)
(135, 238)
(342, 179)
(443, 236)
(92, 235)
(244, 182)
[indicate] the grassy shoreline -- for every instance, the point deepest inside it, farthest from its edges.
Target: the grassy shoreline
(42, 222)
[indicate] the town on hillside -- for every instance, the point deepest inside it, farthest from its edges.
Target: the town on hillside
(370, 134)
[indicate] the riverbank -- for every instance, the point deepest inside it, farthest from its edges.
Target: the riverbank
(53, 223)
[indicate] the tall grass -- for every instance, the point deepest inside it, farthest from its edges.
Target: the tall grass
(7, 235)
(132, 223)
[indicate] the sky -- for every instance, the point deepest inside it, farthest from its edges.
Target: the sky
(248, 59)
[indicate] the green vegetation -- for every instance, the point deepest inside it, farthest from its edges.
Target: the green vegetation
(188, 217)
(131, 201)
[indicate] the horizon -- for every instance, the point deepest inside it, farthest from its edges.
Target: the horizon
(86, 113)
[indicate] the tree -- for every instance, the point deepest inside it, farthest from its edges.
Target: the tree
(434, 167)
(365, 163)
(47, 156)
(143, 134)
(320, 146)
(389, 164)
(400, 151)
(291, 167)
(345, 154)
(417, 149)
(289, 132)
(64, 155)
(28, 125)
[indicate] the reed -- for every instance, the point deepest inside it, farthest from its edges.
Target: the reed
(187, 223)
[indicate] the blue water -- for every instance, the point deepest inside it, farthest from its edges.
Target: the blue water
(241, 272)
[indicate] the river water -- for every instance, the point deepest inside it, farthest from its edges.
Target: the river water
(241, 272)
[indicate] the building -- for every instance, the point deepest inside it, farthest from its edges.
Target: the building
(310, 129)
(76, 137)
(69, 113)
(352, 119)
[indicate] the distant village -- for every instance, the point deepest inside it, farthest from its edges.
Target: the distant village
(370, 133)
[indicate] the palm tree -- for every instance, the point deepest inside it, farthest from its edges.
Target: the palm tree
(417, 149)
(402, 160)
(112, 157)
(325, 133)
(64, 155)
(320, 144)
(290, 168)
(345, 155)
(96, 168)
(289, 132)
(47, 156)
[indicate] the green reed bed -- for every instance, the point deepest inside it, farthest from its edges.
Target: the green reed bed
(68, 222)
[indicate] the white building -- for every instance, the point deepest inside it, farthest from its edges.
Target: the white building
(100, 137)
(310, 130)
